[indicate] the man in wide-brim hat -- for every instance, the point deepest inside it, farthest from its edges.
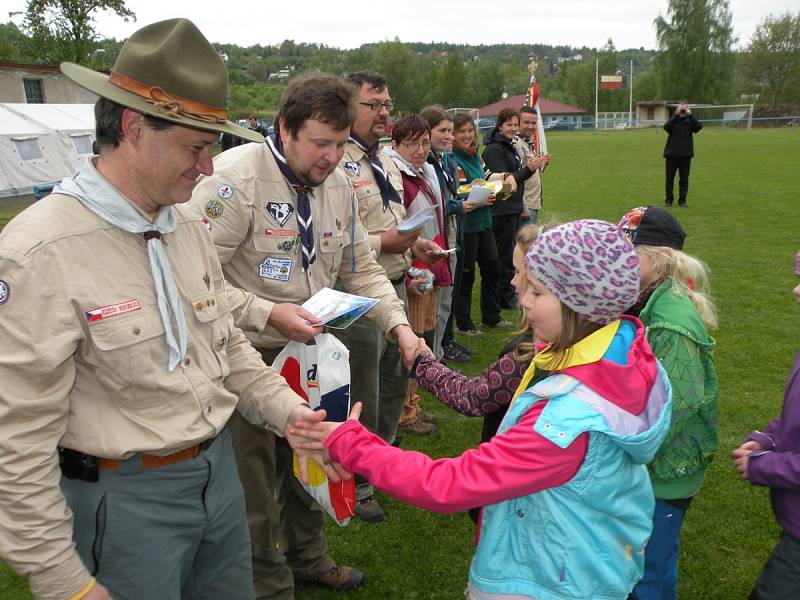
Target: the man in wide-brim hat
(120, 361)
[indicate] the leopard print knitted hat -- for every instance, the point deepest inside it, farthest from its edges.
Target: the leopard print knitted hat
(590, 266)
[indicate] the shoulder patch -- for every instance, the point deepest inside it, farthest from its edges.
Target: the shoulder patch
(225, 191)
(214, 209)
(5, 292)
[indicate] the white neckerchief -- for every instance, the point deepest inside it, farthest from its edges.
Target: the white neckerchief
(98, 195)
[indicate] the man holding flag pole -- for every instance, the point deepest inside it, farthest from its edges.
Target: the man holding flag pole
(532, 147)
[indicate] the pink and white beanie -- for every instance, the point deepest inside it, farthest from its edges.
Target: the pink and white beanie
(589, 265)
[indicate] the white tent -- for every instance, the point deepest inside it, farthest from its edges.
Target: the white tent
(41, 144)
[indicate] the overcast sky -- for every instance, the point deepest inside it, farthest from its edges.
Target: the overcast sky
(348, 24)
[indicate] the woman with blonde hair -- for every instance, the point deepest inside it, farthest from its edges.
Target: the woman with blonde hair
(675, 306)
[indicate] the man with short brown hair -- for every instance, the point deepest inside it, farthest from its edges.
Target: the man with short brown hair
(286, 225)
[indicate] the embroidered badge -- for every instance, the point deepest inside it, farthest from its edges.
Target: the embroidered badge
(111, 310)
(5, 292)
(276, 269)
(225, 191)
(207, 223)
(280, 211)
(353, 167)
(280, 232)
(286, 245)
(214, 209)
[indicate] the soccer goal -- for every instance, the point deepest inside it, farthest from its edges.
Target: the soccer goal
(724, 115)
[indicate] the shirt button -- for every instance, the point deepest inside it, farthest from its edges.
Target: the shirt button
(561, 434)
(208, 409)
(520, 513)
(136, 331)
(187, 362)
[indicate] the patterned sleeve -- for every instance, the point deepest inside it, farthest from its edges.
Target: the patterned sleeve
(473, 396)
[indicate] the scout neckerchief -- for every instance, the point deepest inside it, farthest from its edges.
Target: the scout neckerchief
(437, 161)
(98, 195)
(304, 223)
(388, 193)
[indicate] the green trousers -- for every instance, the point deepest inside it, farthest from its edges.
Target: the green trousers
(169, 533)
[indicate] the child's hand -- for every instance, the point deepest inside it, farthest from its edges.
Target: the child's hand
(741, 457)
(311, 435)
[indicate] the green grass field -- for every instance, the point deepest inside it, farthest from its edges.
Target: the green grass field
(743, 221)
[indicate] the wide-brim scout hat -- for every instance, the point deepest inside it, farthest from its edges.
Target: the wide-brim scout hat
(168, 70)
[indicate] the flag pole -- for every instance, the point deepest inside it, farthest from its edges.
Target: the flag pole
(596, 87)
(533, 101)
(630, 101)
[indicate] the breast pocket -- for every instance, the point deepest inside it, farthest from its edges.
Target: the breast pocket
(330, 249)
(211, 335)
(132, 359)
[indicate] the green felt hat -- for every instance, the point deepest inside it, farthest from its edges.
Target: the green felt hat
(168, 70)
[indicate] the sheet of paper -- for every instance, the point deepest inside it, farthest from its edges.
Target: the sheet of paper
(337, 309)
(479, 194)
(418, 220)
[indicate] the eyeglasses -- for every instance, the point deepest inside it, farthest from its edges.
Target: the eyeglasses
(376, 106)
(424, 144)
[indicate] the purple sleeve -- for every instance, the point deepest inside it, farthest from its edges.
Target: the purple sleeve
(473, 396)
(775, 469)
(769, 438)
(515, 463)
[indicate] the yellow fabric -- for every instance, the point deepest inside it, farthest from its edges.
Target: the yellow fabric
(84, 590)
(590, 349)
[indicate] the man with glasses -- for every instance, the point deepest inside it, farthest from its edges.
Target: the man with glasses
(382, 380)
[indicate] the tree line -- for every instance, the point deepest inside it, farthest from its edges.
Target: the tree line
(695, 60)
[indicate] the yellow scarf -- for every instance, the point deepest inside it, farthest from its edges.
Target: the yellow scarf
(590, 349)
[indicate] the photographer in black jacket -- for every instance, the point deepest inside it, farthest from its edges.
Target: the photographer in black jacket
(679, 151)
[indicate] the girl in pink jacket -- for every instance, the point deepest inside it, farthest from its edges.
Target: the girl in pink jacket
(568, 504)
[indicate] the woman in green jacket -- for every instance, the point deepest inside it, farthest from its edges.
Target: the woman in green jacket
(675, 307)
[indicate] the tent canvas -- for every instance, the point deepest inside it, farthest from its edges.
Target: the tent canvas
(42, 143)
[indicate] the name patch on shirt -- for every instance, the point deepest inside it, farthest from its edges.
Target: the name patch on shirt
(353, 167)
(279, 211)
(111, 310)
(280, 233)
(275, 269)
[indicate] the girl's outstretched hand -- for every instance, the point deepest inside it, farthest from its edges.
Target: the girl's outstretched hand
(312, 435)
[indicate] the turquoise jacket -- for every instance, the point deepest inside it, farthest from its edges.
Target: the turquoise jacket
(584, 539)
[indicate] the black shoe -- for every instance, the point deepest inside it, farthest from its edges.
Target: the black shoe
(667, 204)
(683, 205)
(499, 325)
(466, 350)
(452, 352)
(469, 329)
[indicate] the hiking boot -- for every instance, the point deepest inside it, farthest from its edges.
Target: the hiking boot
(417, 427)
(426, 417)
(463, 348)
(454, 353)
(369, 510)
(339, 578)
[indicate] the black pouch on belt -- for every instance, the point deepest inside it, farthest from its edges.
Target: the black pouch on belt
(77, 465)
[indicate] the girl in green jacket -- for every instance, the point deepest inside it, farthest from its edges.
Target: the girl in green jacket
(675, 307)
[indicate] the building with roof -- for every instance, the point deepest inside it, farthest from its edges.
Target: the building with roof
(555, 115)
(39, 84)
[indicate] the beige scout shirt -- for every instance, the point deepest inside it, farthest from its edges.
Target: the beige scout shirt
(251, 211)
(376, 220)
(83, 364)
(532, 194)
